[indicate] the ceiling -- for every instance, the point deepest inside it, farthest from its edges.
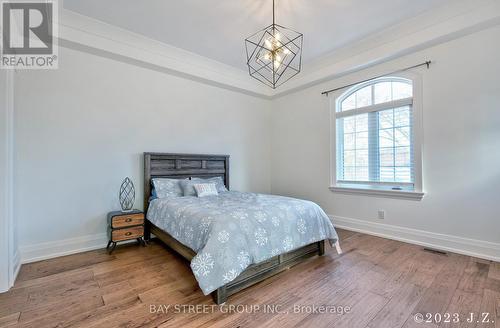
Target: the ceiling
(216, 28)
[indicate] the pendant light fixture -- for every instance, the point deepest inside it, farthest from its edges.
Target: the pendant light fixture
(274, 54)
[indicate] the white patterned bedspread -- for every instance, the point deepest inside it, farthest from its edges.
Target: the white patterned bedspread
(232, 230)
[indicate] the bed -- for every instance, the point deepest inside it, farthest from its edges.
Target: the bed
(225, 260)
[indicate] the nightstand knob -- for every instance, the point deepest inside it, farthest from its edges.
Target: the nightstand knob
(128, 220)
(128, 233)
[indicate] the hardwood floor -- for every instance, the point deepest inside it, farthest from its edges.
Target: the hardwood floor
(383, 282)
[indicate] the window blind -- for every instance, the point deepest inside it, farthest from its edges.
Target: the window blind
(374, 134)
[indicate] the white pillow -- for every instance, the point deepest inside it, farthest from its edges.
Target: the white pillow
(219, 183)
(205, 189)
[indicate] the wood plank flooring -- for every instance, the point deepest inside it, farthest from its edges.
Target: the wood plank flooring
(383, 282)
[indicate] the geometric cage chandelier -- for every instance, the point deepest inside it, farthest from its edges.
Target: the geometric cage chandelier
(274, 54)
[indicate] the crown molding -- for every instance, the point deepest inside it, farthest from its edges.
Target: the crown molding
(428, 29)
(421, 32)
(88, 34)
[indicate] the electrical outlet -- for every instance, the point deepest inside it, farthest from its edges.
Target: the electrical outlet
(381, 214)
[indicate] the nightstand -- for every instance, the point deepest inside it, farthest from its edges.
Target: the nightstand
(124, 226)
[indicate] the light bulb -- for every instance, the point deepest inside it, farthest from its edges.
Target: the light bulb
(268, 43)
(286, 51)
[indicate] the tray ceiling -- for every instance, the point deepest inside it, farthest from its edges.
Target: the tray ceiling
(216, 29)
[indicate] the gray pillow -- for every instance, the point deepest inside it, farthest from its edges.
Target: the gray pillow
(187, 186)
(164, 187)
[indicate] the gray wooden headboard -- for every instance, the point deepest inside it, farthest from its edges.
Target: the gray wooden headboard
(180, 166)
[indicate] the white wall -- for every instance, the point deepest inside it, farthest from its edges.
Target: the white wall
(9, 259)
(4, 228)
(82, 128)
(461, 165)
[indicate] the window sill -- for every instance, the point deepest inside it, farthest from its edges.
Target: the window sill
(378, 192)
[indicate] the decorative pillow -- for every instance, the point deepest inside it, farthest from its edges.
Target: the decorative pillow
(188, 185)
(219, 183)
(205, 189)
(164, 188)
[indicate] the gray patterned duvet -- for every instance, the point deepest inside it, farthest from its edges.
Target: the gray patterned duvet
(232, 230)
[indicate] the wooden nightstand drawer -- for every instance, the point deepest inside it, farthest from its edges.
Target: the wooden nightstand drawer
(127, 220)
(125, 226)
(127, 233)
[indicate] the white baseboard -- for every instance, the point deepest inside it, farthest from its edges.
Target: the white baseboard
(472, 247)
(449, 243)
(51, 249)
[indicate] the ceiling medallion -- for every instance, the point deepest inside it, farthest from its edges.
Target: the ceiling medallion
(274, 54)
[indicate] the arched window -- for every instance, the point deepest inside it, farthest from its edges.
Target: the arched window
(374, 135)
(375, 92)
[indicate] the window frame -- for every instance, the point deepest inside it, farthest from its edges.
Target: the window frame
(381, 189)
